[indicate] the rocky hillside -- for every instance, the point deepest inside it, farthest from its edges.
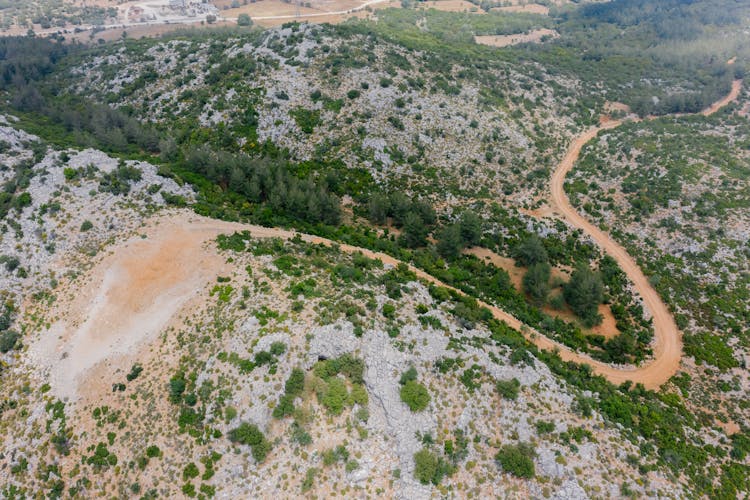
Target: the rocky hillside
(285, 367)
(402, 116)
(339, 260)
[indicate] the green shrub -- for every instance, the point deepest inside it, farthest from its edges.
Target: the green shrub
(429, 467)
(353, 368)
(415, 395)
(87, 225)
(471, 377)
(285, 407)
(389, 311)
(177, 387)
(135, 370)
(306, 119)
(70, 173)
(189, 490)
(295, 384)
(543, 427)
(408, 375)
(508, 389)
(8, 340)
(517, 460)
(153, 451)
(190, 472)
(307, 483)
(334, 396)
(249, 435)
(102, 458)
(300, 435)
(277, 348)
(359, 395)
(244, 20)
(338, 454)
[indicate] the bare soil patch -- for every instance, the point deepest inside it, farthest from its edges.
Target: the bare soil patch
(128, 298)
(608, 326)
(279, 8)
(531, 8)
(535, 36)
(274, 12)
(452, 6)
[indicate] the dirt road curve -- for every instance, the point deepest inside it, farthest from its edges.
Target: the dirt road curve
(668, 343)
(147, 282)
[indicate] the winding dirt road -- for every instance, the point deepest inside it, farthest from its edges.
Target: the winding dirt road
(145, 284)
(667, 337)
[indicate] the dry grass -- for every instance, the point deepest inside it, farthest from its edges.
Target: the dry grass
(534, 36)
(531, 8)
(452, 6)
(279, 8)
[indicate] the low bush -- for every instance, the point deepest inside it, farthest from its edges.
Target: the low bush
(429, 467)
(415, 395)
(517, 460)
(508, 389)
(249, 435)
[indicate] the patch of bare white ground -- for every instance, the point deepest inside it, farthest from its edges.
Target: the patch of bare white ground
(127, 299)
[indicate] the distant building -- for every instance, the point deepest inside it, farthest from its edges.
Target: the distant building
(177, 4)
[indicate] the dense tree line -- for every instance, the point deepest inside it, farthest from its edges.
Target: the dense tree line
(266, 181)
(675, 39)
(26, 59)
(413, 217)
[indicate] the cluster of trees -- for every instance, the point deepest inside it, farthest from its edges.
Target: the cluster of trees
(331, 390)
(682, 102)
(415, 218)
(430, 465)
(24, 60)
(249, 435)
(583, 292)
(686, 43)
(464, 232)
(26, 63)
(266, 181)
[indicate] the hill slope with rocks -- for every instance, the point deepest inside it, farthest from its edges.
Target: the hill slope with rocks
(337, 260)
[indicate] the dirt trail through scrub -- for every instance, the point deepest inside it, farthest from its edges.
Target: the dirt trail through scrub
(148, 282)
(668, 342)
